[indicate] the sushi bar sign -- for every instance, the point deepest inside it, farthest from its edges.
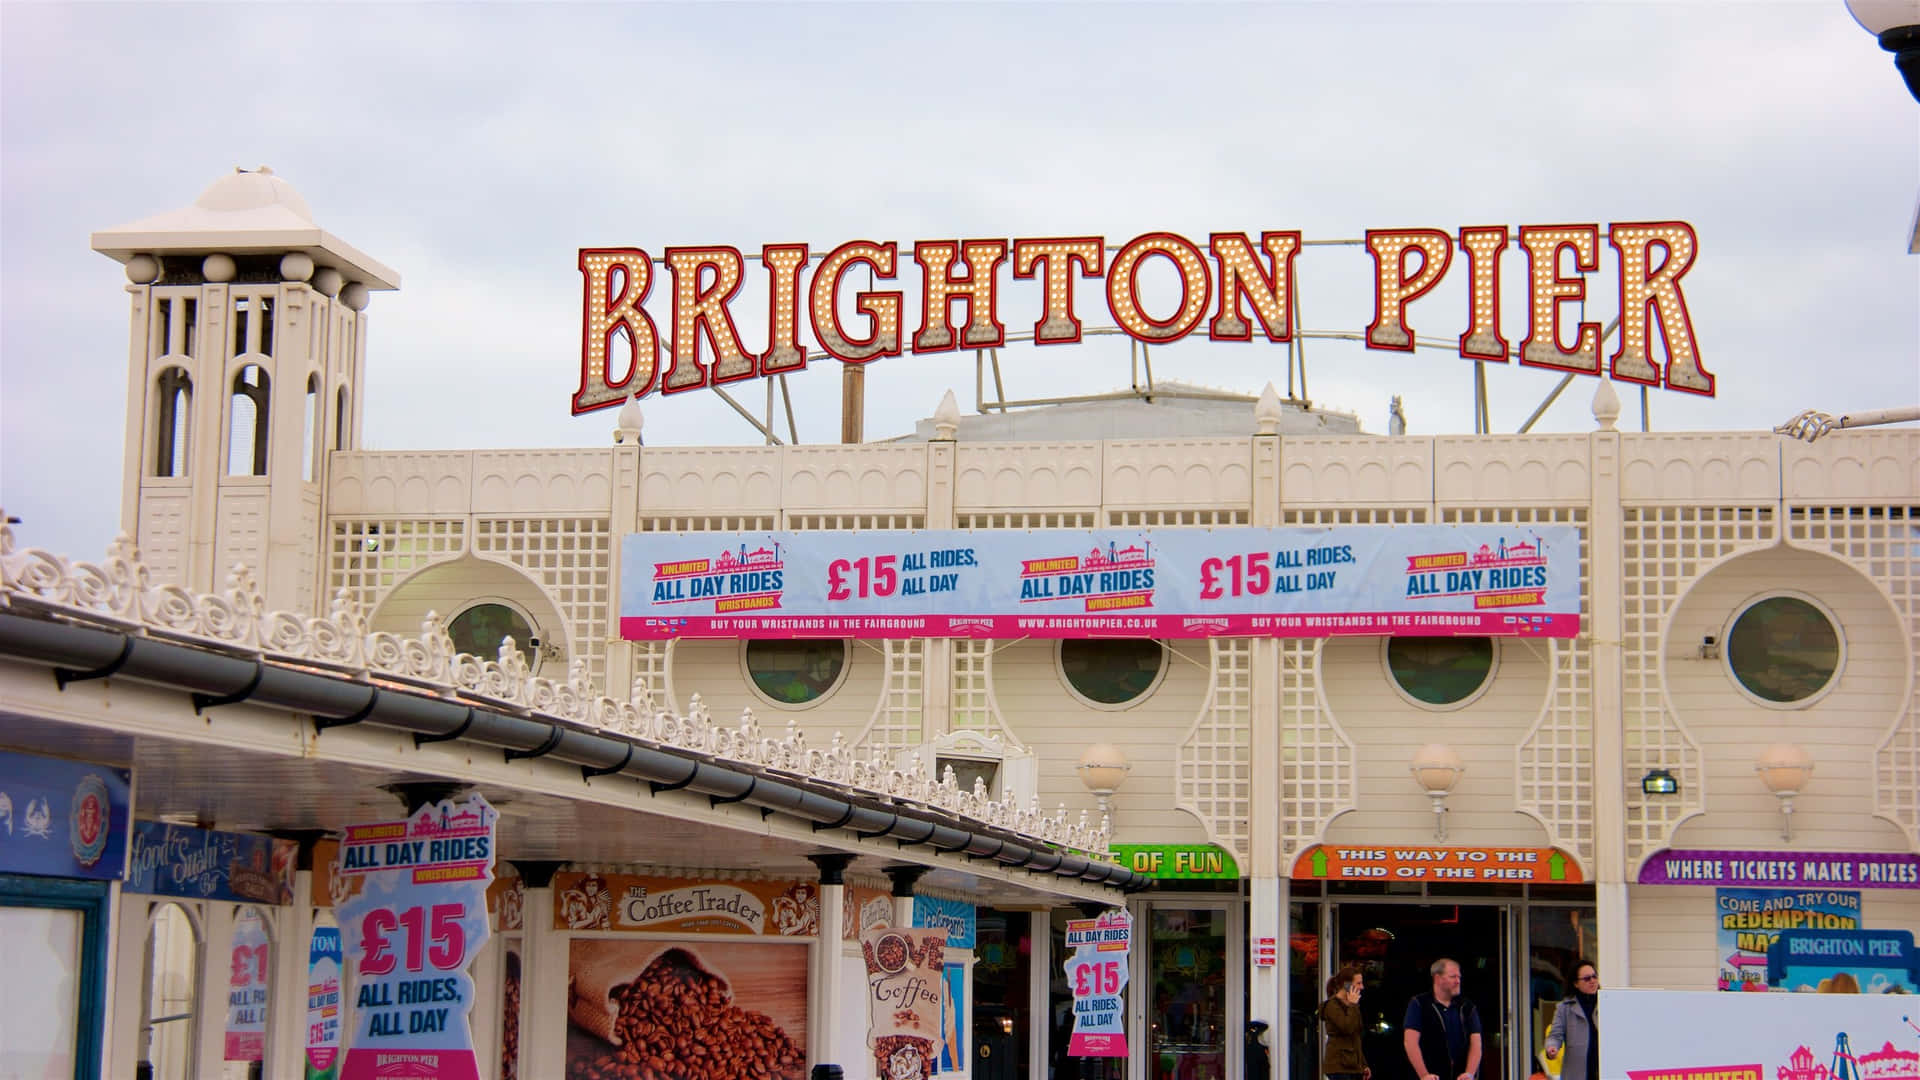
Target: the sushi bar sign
(1235, 286)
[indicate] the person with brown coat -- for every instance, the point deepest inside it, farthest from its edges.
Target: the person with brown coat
(1343, 1058)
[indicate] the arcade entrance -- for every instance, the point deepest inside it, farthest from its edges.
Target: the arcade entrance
(1394, 944)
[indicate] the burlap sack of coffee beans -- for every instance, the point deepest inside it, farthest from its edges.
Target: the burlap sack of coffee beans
(674, 1020)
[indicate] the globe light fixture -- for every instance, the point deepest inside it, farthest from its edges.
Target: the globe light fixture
(1896, 23)
(1436, 768)
(1785, 769)
(1103, 768)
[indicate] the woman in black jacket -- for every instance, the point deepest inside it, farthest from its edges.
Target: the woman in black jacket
(1343, 1058)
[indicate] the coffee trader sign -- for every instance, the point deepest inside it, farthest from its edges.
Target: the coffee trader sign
(1234, 284)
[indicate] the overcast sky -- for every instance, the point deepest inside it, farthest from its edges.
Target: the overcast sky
(476, 148)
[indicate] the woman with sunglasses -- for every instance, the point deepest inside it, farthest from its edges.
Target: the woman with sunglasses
(1343, 1059)
(1576, 1027)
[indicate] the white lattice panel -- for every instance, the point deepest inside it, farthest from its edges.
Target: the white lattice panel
(368, 558)
(873, 476)
(399, 483)
(1046, 519)
(1318, 772)
(712, 480)
(897, 717)
(653, 663)
(1178, 472)
(989, 475)
(542, 481)
(1353, 515)
(573, 558)
(1882, 542)
(710, 523)
(856, 521)
(1366, 471)
(1213, 763)
(164, 506)
(1512, 469)
(242, 531)
(1684, 468)
(1176, 519)
(974, 707)
(1554, 762)
(1663, 549)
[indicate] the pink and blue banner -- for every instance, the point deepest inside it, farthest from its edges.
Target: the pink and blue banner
(1419, 580)
(411, 933)
(1097, 973)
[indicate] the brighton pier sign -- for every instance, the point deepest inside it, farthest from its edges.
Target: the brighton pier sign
(1234, 285)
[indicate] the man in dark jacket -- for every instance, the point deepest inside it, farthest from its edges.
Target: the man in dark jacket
(1442, 1029)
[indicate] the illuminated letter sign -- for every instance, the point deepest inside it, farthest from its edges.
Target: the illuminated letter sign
(1241, 284)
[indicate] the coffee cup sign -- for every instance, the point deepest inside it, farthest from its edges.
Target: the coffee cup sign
(904, 998)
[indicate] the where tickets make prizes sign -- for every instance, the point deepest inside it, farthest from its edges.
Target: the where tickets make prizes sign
(411, 933)
(1097, 972)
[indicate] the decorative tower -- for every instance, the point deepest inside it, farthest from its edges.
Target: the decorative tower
(247, 354)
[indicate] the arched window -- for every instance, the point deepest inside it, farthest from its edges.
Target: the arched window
(310, 446)
(340, 419)
(247, 450)
(171, 1016)
(173, 393)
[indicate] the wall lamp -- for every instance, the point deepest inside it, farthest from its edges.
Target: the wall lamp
(1785, 769)
(1436, 768)
(1103, 768)
(1709, 648)
(1659, 782)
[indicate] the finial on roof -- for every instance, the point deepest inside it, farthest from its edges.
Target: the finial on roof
(946, 418)
(1396, 418)
(627, 426)
(1267, 412)
(1606, 405)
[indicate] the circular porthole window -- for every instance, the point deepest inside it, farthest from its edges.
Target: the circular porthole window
(479, 629)
(1442, 672)
(1784, 649)
(795, 673)
(1110, 673)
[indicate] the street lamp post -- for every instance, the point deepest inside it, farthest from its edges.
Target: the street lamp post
(1897, 24)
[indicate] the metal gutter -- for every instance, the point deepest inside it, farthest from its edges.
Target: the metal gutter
(215, 679)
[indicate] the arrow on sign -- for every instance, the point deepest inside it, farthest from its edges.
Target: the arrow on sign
(1319, 863)
(1557, 867)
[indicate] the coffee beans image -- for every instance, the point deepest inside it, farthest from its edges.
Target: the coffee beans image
(689, 1013)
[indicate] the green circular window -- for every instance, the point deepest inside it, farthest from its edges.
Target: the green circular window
(480, 629)
(1112, 671)
(1440, 670)
(1783, 649)
(795, 672)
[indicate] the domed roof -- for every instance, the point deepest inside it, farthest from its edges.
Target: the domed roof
(252, 189)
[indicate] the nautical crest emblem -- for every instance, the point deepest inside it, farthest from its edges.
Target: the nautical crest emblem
(6, 812)
(39, 819)
(88, 822)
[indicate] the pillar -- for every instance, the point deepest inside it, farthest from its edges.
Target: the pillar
(543, 975)
(826, 984)
(292, 945)
(1609, 732)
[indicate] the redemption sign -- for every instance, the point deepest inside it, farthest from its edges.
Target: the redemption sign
(1097, 972)
(1417, 580)
(1549, 866)
(618, 334)
(411, 932)
(1749, 921)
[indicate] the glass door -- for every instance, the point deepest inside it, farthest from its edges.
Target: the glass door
(1395, 946)
(1191, 975)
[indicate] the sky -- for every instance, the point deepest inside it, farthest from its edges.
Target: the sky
(475, 148)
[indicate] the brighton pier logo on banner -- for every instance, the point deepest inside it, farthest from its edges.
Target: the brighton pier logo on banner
(1239, 280)
(1113, 578)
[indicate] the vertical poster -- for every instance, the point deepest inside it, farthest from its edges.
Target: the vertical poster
(411, 933)
(709, 1008)
(323, 1004)
(1097, 972)
(1749, 921)
(247, 986)
(953, 1037)
(905, 978)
